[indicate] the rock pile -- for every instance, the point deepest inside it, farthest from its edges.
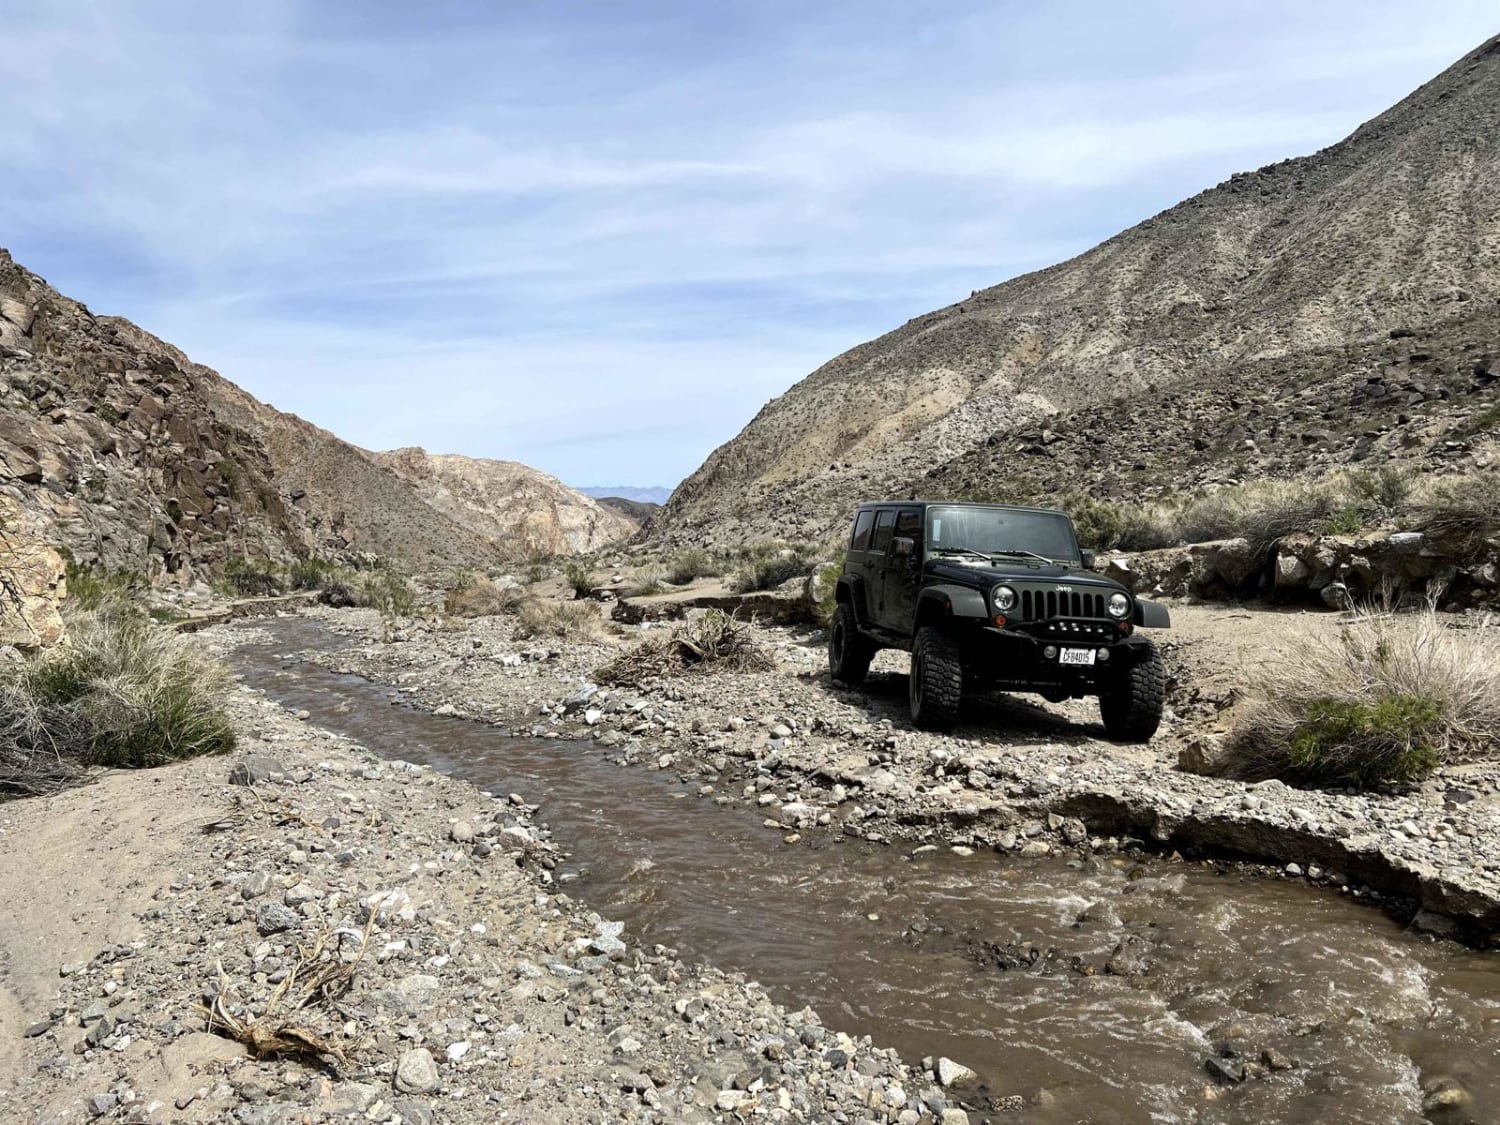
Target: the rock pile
(1339, 571)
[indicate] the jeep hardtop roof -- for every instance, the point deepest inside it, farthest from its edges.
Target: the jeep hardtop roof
(956, 504)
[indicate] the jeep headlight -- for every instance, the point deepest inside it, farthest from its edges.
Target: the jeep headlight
(1005, 599)
(1119, 605)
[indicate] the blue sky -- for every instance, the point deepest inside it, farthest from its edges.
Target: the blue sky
(597, 237)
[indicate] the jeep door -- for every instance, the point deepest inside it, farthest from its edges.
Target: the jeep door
(902, 566)
(865, 578)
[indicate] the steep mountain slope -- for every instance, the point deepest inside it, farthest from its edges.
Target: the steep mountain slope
(523, 511)
(1311, 261)
(133, 457)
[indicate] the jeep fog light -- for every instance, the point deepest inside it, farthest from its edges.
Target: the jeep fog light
(1104, 656)
(1005, 598)
(1119, 605)
(1050, 652)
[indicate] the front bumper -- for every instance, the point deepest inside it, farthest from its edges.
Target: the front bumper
(1017, 658)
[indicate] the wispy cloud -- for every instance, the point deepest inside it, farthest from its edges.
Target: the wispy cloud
(529, 231)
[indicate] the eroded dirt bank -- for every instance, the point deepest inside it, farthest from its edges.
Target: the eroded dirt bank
(139, 899)
(1018, 776)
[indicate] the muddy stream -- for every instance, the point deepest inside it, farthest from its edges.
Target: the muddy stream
(1099, 989)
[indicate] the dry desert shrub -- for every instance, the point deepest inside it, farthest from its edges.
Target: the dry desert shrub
(564, 620)
(478, 596)
(122, 692)
(1463, 509)
(715, 642)
(1387, 701)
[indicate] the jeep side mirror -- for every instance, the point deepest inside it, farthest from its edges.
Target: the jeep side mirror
(1089, 558)
(903, 547)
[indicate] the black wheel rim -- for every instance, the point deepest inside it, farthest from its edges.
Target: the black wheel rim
(915, 683)
(836, 644)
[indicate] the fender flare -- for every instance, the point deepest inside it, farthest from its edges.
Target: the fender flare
(952, 601)
(1149, 615)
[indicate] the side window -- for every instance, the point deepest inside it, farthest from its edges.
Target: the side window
(909, 523)
(883, 525)
(862, 525)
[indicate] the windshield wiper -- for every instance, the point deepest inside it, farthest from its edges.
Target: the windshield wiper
(1028, 554)
(961, 551)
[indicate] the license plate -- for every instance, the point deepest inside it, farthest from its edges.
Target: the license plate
(1084, 656)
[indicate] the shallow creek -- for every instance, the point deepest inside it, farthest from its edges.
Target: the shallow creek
(1097, 990)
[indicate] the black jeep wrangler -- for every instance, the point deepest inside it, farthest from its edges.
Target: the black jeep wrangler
(993, 596)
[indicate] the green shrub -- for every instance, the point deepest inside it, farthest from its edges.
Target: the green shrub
(1346, 521)
(1391, 739)
(252, 578)
(124, 692)
(539, 567)
(826, 588)
(1386, 702)
(579, 576)
(686, 565)
(766, 566)
(311, 574)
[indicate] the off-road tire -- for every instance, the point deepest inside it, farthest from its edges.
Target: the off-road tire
(937, 680)
(1132, 709)
(849, 650)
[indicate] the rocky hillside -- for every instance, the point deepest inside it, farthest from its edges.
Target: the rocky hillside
(1374, 263)
(523, 511)
(133, 457)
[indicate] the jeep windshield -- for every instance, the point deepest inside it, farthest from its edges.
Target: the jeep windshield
(1001, 533)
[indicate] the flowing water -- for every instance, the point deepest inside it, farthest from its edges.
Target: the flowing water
(1097, 990)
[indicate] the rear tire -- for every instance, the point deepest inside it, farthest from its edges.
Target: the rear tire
(849, 650)
(937, 680)
(1132, 709)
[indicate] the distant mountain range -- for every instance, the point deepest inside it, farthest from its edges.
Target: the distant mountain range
(652, 495)
(1329, 310)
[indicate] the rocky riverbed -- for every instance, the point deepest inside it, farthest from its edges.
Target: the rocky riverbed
(406, 912)
(1018, 776)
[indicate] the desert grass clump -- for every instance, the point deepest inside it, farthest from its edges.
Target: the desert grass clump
(1385, 703)
(1261, 514)
(482, 597)
(123, 692)
(564, 620)
(714, 642)
(386, 591)
(89, 587)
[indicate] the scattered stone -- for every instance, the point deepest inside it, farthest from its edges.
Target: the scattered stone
(417, 1072)
(274, 918)
(256, 770)
(954, 1075)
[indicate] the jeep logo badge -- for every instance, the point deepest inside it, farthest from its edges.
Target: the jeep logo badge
(1064, 589)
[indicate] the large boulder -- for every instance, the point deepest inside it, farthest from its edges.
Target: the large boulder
(32, 581)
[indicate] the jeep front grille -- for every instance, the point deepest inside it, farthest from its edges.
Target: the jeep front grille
(1042, 605)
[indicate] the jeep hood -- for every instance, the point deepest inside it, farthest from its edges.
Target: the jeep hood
(976, 572)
